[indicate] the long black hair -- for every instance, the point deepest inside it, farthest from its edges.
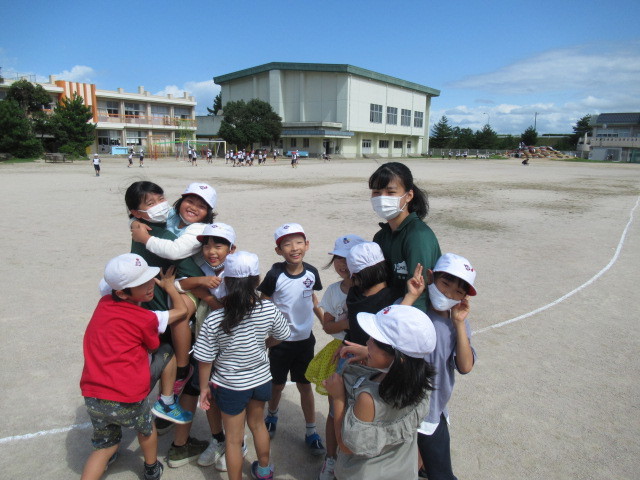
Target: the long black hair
(137, 192)
(241, 298)
(408, 381)
(387, 172)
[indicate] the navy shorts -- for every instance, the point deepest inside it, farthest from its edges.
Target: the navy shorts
(291, 357)
(233, 402)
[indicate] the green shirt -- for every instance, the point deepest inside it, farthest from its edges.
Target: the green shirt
(411, 243)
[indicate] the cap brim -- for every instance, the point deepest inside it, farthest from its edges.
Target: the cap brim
(367, 322)
(279, 241)
(151, 272)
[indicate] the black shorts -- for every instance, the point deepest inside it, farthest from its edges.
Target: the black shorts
(291, 357)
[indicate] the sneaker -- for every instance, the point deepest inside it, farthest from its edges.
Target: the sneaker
(214, 451)
(179, 385)
(271, 421)
(112, 459)
(153, 472)
(314, 443)
(328, 466)
(163, 426)
(179, 456)
(422, 473)
(174, 412)
(221, 464)
(254, 472)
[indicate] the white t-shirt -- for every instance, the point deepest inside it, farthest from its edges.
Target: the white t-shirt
(220, 291)
(334, 302)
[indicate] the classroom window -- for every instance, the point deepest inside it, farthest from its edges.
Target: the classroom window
(392, 115)
(383, 143)
(397, 144)
(135, 137)
(159, 110)
(418, 118)
(293, 142)
(132, 109)
(405, 118)
(305, 143)
(366, 143)
(375, 114)
(113, 109)
(182, 112)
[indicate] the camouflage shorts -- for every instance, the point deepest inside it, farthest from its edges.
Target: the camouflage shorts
(108, 418)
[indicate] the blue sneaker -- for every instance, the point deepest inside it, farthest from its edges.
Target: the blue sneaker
(174, 412)
(271, 421)
(314, 443)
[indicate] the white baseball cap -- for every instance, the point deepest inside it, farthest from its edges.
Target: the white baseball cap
(405, 328)
(218, 229)
(128, 270)
(288, 229)
(363, 255)
(241, 264)
(344, 244)
(204, 191)
(458, 267)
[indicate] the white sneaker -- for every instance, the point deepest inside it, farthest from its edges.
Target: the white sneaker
(212, 454)
(326, 472)
(221, 463)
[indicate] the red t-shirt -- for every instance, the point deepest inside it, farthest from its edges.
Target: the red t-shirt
(116, 345)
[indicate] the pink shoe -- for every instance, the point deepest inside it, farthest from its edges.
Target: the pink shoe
(179, 385)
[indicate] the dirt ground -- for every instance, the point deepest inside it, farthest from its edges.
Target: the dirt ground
(553, 395)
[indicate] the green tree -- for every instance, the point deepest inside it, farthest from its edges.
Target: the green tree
(508, 143)
(529, 136)
(217, 105)
(441, 134)
(247, 123)
(69, 124)
(16, 135)
(463, 138)
(579, 129)
(31, 98)
(486, 138)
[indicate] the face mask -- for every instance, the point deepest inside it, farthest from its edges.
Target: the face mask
(158, 213)
(439, 301)
(184, 221)
(384, 370)
(387, 208)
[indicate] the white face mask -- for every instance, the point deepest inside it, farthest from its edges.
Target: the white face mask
(158, 213)
(184, 221)
(387, 207)
(439, 301)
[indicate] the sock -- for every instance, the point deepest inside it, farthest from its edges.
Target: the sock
(219, 436)
(264, 471)
(182, 372)
(168, 399)
(311, 429)
(273, 413)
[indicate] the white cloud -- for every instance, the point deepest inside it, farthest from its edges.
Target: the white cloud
(204, 93)
(78, 73)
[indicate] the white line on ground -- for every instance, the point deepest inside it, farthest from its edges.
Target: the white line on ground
(613, 260)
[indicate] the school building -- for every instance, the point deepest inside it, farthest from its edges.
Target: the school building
(338, 109)
(615, 137)
(127, 120)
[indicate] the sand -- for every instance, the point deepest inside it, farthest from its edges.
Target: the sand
(554, 395)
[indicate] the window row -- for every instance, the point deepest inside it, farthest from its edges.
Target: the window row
(375, 116)
(366, 144)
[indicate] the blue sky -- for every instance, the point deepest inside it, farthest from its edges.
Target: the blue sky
(499, 61)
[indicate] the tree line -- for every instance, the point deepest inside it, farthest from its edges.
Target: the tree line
(27, 127)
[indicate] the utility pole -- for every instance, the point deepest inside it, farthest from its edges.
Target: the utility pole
(535, 121)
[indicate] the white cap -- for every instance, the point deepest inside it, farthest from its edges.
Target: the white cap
(458, 267)
(364, 255)
(345, 243)
(288, 229)
(128, 270)
(405, 328)
(218, 229)
(204, 191)
(241, 264)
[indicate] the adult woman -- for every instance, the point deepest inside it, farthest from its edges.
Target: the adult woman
(405, 239)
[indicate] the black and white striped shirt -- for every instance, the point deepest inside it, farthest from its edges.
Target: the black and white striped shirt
(241, 360)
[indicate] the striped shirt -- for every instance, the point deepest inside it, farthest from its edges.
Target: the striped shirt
(241, 360)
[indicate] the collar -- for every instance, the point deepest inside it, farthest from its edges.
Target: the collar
(410, 218)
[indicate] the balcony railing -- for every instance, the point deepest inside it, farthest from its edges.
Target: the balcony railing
(164, 120)
(623, 142)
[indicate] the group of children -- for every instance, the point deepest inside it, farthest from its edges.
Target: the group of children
(242, 158)
(248, 337)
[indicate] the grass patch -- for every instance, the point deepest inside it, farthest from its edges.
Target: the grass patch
(19, 160)
(471, 224)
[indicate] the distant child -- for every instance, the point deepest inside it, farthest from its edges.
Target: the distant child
(194, 158)
(450, 285)
(96, 164)
(130, 159)
(334, 322)
(118, 373)
(290, 285)
(141, 157)
(236, 339)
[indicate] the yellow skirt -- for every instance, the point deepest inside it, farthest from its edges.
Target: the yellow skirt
(321, 367)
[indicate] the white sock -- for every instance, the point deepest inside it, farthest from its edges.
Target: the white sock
(311, 429)
(167, 399)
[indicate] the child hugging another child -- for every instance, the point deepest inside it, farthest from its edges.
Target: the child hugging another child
(235, 338)
(118, 374)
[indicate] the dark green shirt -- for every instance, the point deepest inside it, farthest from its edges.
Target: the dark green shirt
(413, 242)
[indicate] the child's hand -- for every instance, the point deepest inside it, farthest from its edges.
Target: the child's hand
(460, 311)
(205, 398)
(357, 353)
(211, 281)
(167, 278)
(140, 232)
(415, 285)
(334, 385)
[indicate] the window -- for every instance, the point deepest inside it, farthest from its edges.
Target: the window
(405, 118)
(182, 112)
(108, 137)
(113, 109)
(366, 143)
(383, 143)
(135, 137)
(397, 144)
(418, 118)
(293, 142)
(159, 110)
(132, 109)
(408, 144)
(375, 114)
(392, 115)
(305, 143)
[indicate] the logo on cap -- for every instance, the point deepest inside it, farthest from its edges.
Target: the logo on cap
(469, 269)
(203, 187)
(285, 227)
(345, 240)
